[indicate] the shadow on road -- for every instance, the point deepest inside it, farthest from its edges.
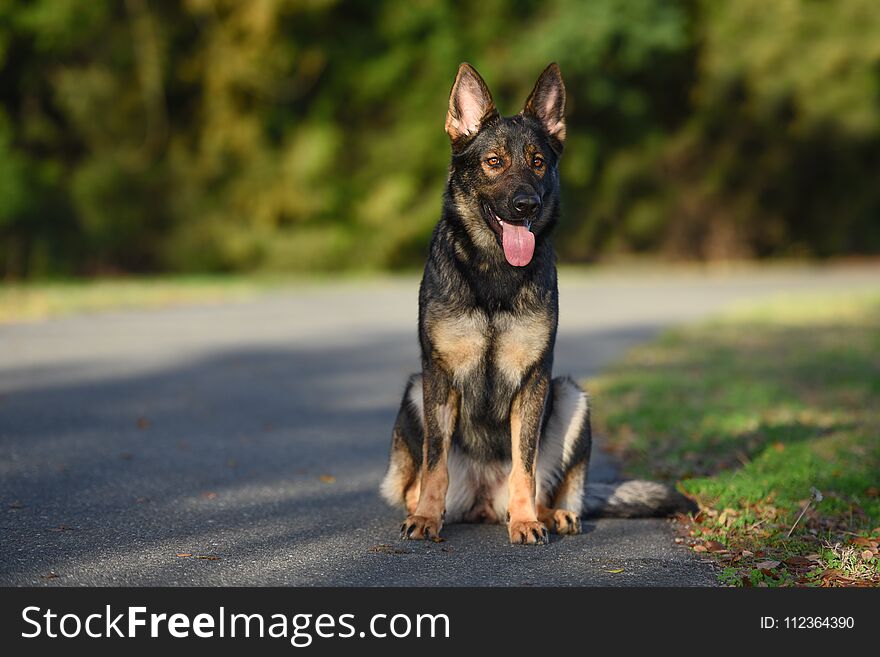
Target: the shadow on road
(268, 458)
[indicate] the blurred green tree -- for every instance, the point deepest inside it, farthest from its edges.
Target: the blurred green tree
(216, 135)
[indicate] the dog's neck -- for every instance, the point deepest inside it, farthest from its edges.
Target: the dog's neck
(492, 282)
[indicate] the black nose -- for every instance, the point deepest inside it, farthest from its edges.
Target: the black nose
(526, 205)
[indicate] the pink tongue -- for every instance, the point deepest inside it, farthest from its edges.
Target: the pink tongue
(519, 244)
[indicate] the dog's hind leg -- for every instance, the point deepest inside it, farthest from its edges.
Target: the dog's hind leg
(400, 487)
(563, 458)
(402, 483)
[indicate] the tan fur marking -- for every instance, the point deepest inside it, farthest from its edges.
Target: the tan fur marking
(402, 471)
(432, 497)
(521, 504)
(521, 501)
(545, 515)
(523, 525)
(521, 341)
(474, 222)
(459, 342)
(501, 167)
(446, 415)
(530, 152)
(411, 496)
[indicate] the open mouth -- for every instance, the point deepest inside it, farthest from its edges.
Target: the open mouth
(517, 238)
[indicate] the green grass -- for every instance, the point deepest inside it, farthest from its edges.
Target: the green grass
(749, 413)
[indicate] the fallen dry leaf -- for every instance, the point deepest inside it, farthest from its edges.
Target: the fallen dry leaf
(143, 423)
(615, 571)
(209, 495)
(867, 555)
(830, 572)
(50, 575)
(767, 565)
(208, 557)
(798, 561)
(715, 546)
(700, 548)
(327, 479)
(184, 554)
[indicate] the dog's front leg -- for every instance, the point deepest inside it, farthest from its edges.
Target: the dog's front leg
(440, 415)
(523, 525)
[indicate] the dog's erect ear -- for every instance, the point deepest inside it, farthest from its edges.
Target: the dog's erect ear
(547, 103)
(470, 105)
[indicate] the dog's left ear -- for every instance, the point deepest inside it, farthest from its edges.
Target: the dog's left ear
(547, 104)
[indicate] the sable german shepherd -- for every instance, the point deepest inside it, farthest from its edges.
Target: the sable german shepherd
(484, 433)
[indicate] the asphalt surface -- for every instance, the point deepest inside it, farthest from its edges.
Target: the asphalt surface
(256, 432)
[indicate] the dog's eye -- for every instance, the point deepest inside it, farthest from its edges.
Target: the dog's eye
(538, 162)
(493, 161)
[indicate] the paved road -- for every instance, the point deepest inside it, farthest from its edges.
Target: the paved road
(257, 431)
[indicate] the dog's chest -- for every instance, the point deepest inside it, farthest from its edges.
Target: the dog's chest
(473, 345)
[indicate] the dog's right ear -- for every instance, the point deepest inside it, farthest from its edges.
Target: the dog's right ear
(547, 104)
(470, 105)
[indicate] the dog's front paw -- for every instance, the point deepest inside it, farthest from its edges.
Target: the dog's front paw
(527, 532)
(421, 527)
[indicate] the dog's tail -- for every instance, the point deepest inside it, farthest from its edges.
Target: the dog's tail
(634, 499)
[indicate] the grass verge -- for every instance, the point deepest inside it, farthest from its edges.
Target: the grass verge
(28, 302)
(768, 416)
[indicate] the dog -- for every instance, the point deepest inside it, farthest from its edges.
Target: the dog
(484, 432)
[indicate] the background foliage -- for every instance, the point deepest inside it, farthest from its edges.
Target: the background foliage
(217, 135)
